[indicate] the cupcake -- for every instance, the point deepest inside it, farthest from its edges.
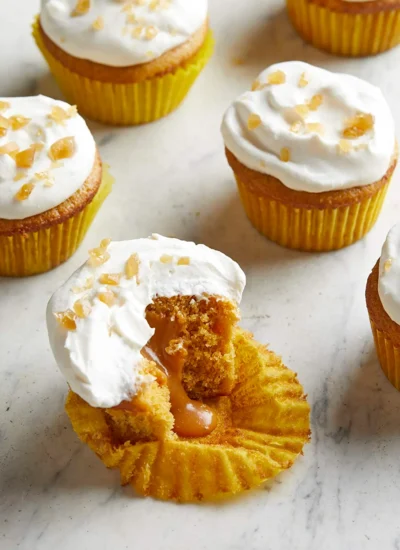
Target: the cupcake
(164, 385)
(313, 153)
(347, 27)
(52, 183)
(124, 62)
(383, 302)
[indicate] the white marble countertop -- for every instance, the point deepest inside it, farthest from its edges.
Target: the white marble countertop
(172, 178)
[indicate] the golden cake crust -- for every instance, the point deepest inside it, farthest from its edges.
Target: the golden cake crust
(167, 63)
(356, 8)
(59, 214)
(269, 186)
(376, 310)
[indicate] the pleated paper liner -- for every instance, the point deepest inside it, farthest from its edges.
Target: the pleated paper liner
(344, 33)
(262, 428)
(127, 104)
(388, 355)
(311, 229)
(36, 252)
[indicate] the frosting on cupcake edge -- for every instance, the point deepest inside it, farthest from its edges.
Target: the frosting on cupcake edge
(312, 129)
(121, 33)
(96, 320)
(389, 274)
(46, 154)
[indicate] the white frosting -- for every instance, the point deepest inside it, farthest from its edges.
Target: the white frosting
(316, 162)
(105, 367)
(66, 179)
(389, 275)
(122, 43)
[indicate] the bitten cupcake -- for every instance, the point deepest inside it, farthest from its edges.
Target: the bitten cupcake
(124, 62)
(313, 153)
(52, 183)
(164, 385)
(383, 302)
(348, 27)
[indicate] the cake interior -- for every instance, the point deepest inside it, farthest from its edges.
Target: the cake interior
(191, 356)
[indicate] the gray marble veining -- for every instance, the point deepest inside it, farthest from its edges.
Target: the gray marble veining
(172, 178)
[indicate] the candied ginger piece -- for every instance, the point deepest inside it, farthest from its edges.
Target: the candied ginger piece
(8, 148)
(25, 192)
(315, 102)
(388, 264)
(82, 308)
(277, 77)
(4, 105)
(315, 127)
(110, 279)
(358, 125)
(285, 154)
(166, 259)
(25, 158)
(253, 122)
(296, 127)
(132, 266)
(62, 149)
(81, 7)
(18, 121)
(344, 147)
(98, 23)
(302, 110)
(303, 82)
(184, 260)
(151, 32)
(107, 297)
(66, 319)
(98, 256)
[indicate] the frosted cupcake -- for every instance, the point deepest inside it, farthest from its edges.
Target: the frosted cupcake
(52, 183)
(313, 153)
(163, 383)
(124, 62)
(383, 302)
(348, 27)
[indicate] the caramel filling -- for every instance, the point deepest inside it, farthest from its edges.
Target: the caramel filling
(165, 348)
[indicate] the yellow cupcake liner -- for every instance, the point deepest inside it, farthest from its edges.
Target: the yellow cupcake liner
(344, 33)
(311, 229)
(388, 355)
(36, 252)
(127, 104)
(263, 426)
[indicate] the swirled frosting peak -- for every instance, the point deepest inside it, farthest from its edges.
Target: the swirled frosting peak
(46, 154)
(312, 129)
(121, 33)
(96, 321)
(389, 274)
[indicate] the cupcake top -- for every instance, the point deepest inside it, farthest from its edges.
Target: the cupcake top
(46, 154)
(96, 321)
(389, 275)
(121, 33)
(313, 130)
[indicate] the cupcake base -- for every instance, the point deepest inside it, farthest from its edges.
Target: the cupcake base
(345, 28)
(314, 222)
(262, 428)
(127, 103)
(385, 331)
(33, 252)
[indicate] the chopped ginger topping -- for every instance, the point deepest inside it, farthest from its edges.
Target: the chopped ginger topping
(25, 158)
(8, 148)
(87, 286)
(131, 19)
(388, 264)
(98, 23)
(82, 308)
(253, 122)
(344, 146)
(110, 279)
(48, 183)
(62, 149)
(315, 127)
(18, 121)
(66, 319)
(285, 154)
(256, 85)
(4, 124)
(24, 192)
(302, 110)
(105, 243)
(4, 105)
(20, 176)
(60, 115)
(358, 125)
(166, 259)
(99, 255)
(159, 4)
(151, 32)
(137, 31)
(81, 7)
(132, 266)
(37, 146)
(277, 77)
(296, 127)
(184, 261)
(315, 102)
(42, 175)
(107, 297)
(303, 82)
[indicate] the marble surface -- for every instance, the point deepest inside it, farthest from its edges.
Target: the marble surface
(172, 178)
